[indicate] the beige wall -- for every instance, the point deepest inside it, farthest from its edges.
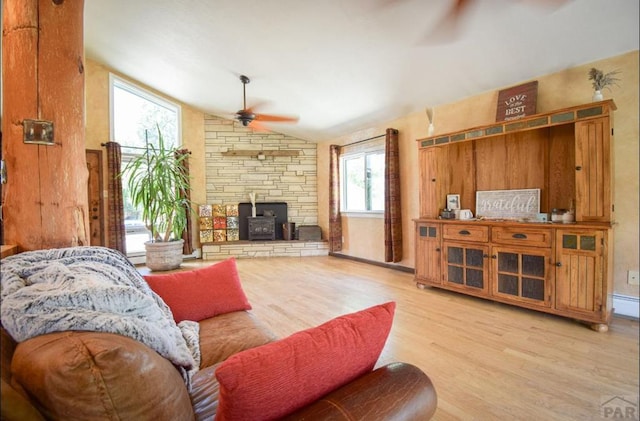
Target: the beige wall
(97, 125)
(363, 237)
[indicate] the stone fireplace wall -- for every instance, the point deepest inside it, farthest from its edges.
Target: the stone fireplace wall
(230, 179)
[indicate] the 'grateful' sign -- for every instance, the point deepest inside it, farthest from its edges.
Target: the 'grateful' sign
(508, 204)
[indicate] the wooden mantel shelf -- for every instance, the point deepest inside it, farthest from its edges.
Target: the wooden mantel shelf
(554, 118)
(256, 153)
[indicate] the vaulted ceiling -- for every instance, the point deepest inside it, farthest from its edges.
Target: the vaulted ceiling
(345, 65)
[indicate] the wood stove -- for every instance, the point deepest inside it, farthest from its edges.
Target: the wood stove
(262, 228)
(276, 209)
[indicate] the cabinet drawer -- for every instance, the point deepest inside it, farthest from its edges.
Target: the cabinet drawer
(465, 232)
(532, 237)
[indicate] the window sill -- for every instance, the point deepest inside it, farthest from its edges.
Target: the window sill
(351, 214)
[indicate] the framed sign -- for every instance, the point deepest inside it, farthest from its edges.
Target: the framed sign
(453, 201)
(517, 102)
(508, 204)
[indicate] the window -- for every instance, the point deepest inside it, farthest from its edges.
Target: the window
(362, 181)
(136, 115)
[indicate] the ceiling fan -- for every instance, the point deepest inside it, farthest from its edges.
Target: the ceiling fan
(249, 118)
(448, 27)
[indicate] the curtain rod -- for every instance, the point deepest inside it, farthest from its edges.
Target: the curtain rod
(364, 140)
(136, 147)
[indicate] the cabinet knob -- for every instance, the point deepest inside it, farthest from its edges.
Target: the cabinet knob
(484, 256)
(559, 264)
(464, 232)
(438, 249)
(493, 256)
(433, 180)
(519, 236)
(578, 168)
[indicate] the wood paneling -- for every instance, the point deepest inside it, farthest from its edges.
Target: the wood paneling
(461, 170)
(491, 164)
(433, 192)
(593, 179)
(428, 238)
(526, 161)
(561, 186)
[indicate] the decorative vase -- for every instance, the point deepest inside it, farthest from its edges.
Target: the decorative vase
(597, 95)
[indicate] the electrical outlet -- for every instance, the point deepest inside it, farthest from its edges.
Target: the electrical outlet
(633, 278)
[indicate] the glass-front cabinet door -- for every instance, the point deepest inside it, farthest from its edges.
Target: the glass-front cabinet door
(523, 275)
(465, 266)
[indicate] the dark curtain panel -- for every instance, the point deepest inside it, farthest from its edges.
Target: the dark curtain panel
(187, 235)
(392, 205)
(335, 220)
(116, 234)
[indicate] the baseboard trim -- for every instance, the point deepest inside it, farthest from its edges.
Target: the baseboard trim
(626, 305)
(373, 262)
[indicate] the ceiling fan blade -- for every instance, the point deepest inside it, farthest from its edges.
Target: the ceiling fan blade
(257, 126)
(276, 118)
(447, 30)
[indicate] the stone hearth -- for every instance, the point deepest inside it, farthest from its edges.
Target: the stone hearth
(277, 248)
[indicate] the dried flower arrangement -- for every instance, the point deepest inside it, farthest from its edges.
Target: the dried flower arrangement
(602, 80)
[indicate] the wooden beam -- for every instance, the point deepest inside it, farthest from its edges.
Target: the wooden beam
(45, 202)
(255, 153)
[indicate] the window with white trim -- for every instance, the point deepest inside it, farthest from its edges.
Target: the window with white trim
(362, 177)
(135, 117)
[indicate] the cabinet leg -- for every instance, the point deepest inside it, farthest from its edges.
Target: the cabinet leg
(600, 327)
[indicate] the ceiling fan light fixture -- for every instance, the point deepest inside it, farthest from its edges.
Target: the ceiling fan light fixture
(245, 117)
(245, 120)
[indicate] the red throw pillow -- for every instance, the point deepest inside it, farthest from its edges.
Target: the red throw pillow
(276, 379)
(201, 293)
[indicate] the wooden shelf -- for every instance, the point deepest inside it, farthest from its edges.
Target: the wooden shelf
(554, 118)
(256, 153)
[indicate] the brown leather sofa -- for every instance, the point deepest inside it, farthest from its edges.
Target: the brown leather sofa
(79, 375)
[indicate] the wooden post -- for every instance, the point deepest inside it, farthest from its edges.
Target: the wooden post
(45, 202)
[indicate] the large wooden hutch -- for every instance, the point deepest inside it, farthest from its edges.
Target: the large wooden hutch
(564, 269)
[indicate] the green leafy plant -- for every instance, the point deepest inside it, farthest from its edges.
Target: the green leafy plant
(157, 183)
(603, 80)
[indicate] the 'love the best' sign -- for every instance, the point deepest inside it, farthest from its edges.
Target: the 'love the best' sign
(517, 102)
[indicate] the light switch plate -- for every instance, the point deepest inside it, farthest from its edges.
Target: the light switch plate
(37, 131)
(633, 277)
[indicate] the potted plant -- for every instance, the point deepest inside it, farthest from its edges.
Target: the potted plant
(157, 183)
(601, 80)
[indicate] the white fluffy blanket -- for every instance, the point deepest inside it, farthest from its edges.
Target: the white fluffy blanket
(94, 289)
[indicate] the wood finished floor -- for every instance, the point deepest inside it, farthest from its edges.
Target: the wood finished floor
(488, 361)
